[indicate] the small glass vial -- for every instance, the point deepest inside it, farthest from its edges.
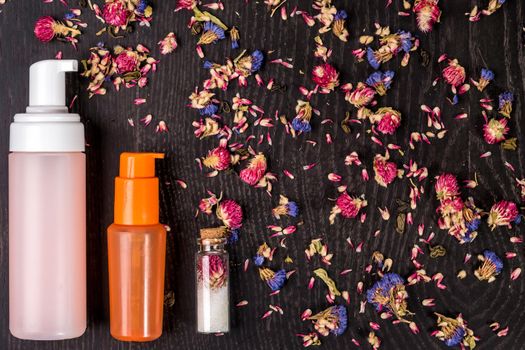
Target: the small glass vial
(212, 285)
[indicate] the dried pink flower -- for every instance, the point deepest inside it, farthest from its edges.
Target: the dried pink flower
(326, 76)
(454, 73)
(44, 28)
(168, 44)
(385, 171)
(218, 158)
(230, 212)
(127, 61)
(47, 28)
(387, 120)
(255, 170)
(186, 5)
(361, 96)
(212, 271)
(347, 206)
(495, 130)
(446, 186)
(427, 14)
(206, 204)
(503, 213)
(115, 13)
(451, 206)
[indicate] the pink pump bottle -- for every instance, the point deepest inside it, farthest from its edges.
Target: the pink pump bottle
(47, 224)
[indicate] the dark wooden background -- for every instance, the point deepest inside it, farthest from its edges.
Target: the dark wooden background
(495, 42)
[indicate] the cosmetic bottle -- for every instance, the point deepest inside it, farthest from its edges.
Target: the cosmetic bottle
(47, 209)
(136, 251)
(212, 282)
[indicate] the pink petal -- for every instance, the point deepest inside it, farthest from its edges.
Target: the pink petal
(266, 314)
(515, 273)
(486, 154)
(311, 283)
(503, 332)
(288, 174)
(334, 177)
(309, 166)
(306, 313)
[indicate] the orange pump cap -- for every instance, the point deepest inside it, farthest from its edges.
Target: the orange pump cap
(138, 165)
(137, 189)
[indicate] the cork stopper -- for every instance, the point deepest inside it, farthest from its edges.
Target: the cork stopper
(213, 233)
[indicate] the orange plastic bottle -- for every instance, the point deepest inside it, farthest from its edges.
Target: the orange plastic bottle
(136, 251)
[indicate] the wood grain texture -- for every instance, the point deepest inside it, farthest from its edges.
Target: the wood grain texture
(495, 42)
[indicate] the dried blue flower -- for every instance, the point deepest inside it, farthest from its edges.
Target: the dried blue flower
(286, 207)
(211, 34)
(210, 109)
(258, 260)
(473, 225)
(455, 337)
(389, 293)
(207, 64)
(380, 81)
(466, 231)
(487, 74)
(339, 312)
(454, 332)
(371, 57)
(293, 209)
(257, 60)
(141, 6)
(331, 320)
(300, 124)
(341, 14)
(304, 111)
(274, 279)
(246, 65)
(233, 236)
(234, 37)
(494, 259)
(381, 289)
(339, 25)
(491, 266)
(505, 103)
(405, 39)
(203, 101)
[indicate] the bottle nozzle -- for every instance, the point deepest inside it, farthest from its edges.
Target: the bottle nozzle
(138, 165)
(47, 82)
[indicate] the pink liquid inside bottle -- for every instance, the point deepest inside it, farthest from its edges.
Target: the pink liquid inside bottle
(47, 245)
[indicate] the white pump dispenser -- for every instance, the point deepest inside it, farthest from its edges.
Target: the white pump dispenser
(47, 83)
(47, 212)
(47, 126)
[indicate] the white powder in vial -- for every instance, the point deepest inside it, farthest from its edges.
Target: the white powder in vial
(213, 309)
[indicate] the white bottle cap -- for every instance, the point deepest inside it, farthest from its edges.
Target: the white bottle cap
(47, 126)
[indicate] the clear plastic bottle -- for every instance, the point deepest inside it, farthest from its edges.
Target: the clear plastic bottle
(212, 286)
(136, 251)
(47, 212)
(136, 272)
